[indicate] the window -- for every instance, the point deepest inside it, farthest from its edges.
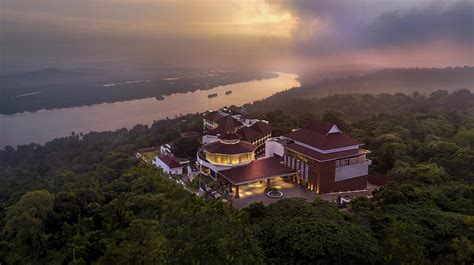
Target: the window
(350, 161)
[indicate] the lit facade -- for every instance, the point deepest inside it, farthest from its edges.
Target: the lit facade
(229, 160)
(254, 131)
(326, 160)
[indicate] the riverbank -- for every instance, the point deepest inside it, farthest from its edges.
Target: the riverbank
(58, 88)
(42, 126)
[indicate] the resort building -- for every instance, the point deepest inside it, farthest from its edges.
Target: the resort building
(238, 151)
(249, 130)
(169, 164)
(326, 159)
(231, 160)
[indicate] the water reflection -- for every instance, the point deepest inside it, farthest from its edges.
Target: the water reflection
(44, 125)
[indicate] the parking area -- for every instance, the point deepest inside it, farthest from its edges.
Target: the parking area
(255, 192)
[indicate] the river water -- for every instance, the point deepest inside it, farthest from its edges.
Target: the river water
(44, 125)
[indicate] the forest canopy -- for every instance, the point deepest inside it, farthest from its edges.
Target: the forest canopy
(86, 199)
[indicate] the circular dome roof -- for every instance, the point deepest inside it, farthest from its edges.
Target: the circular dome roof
(219, 147)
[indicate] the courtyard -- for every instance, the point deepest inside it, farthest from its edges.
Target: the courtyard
(255, 192)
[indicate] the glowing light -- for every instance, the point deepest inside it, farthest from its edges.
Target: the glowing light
(261, 18)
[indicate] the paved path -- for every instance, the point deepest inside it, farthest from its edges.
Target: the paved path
(255, 192)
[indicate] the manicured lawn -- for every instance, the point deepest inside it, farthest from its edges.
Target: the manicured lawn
(149, 156)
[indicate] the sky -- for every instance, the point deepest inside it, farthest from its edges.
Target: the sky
(266, 34)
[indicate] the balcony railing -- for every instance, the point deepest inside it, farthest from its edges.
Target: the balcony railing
(352, 161)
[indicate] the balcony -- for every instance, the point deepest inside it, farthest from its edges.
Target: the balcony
(352, 170)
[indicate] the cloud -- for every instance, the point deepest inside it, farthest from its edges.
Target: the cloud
(234, 32)
(341, 26)
(454, 22)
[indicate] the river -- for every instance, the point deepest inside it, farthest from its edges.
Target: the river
(44, 125)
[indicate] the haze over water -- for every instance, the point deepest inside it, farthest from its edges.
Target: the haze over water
(42, 126)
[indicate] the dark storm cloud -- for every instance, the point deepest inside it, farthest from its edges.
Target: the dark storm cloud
(365, 24)
(454, 22)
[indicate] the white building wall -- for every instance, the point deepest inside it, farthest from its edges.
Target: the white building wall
(165, 149)
(176, 171)
(158, 163)
(272, 148)
(352, 171)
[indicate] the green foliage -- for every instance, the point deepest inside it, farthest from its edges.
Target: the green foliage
(85, 199)
(186, 147)
(402, 245)
(24, 227)
(292, 231)
(429, 173)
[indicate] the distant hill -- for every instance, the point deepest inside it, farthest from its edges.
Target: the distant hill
(48, 73)
(423, 80)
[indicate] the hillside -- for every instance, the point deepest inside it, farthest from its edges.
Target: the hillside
(85, 199)
(409, 80)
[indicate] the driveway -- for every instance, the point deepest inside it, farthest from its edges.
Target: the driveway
(255, 192)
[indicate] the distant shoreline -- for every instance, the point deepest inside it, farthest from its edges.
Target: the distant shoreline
(62, 89)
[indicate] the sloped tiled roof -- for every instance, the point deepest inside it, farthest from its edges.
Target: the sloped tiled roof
(213, 116)
(320, 156)
(170, 161)
(222, 124)
(257, 170)
(261, 127)
(318, 126)
(248, 134)
(316, 134)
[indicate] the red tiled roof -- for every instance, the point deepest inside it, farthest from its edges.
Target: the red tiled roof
(170, 161)
(262, 127)
(252, 133)
(229, 130)
(213, 116)
(222, 125)
(230, 136)
(320, 156)
(257, 170)
(249, 134)
(318, 126)
(229, 149)
(315, 134)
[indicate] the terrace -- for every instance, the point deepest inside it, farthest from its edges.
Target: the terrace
(255, 192)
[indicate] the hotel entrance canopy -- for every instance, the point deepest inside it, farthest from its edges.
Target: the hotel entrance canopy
(257, 170)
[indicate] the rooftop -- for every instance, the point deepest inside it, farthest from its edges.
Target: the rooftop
(213, 116)
(224, 123)
(322, 135)
(261, 127)
(239, 147)
(249, 134)
(323, 157)
(257, 170)
(170, 161)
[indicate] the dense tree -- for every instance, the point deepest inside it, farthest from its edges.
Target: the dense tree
(186, 147)
(402, 245)
(85, 199)
(24, 227)
(295, 232)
